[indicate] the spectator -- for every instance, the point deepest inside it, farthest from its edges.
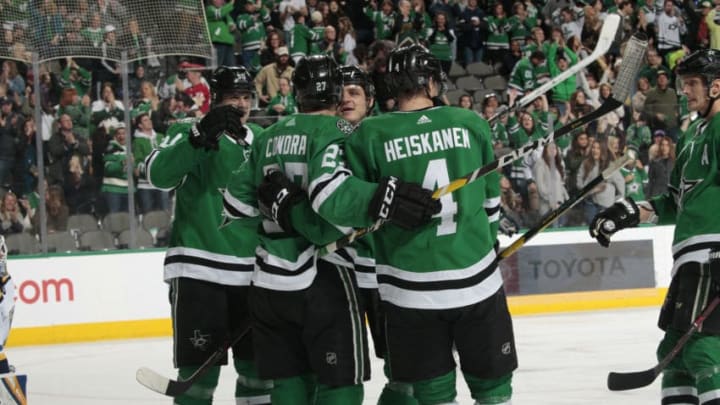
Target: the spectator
(9, 138)
(661, 106)
(636, 179)
(346, 32)
(605, 194)
(197, 87)
(576, 154)
(498, 41)
(267, 80)
(473, 26)
(109, 70)
(220, 26)
(14, 215)
(335, 13)
(301, 38)
(134, 82)
(25, 175)
(145, 140)
(251, 26)
(61, 146)
(115, 181)
(284, 102)
(77, 108)
(268, 54)
(713, 26)
(410, 23)
(638, 99)
(56, 209)
(661, 167)
(288, 10)
(520, 23)
(524, 75)
(466, 101)
(441, 41)
(384, 19)
(94, 33)
(12, 78)
(106, 107)
(79, 186)
(559, 60)
(639, 136)
(610, 123)
(148, 101)
(654, 65)
(331, 47)
(670, 26)
(549, 176)
(76, 76)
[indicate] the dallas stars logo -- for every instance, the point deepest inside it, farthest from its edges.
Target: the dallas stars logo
(200, 340)
(226, 219)
(685, 187)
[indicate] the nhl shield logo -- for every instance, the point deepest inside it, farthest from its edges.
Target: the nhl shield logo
(506, 348)
(331, 358)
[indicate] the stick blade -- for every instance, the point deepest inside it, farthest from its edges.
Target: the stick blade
(152, 380)
(630, 381)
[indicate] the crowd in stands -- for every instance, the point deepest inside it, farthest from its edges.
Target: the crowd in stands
(520, 43)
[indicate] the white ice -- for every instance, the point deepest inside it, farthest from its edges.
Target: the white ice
(564, 359)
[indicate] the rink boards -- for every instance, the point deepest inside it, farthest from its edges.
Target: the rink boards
(117, 295)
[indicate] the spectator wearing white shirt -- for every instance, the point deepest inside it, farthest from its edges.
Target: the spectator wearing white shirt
(287, 8)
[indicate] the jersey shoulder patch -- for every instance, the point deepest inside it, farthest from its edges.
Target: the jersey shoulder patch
(345, 127)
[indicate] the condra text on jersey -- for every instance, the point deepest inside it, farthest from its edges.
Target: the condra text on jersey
(427, 142)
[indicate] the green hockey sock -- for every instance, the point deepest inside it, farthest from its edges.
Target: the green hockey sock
(345, 395)
(490, 391)
(293, 391)
(396, 393)
(438, 390)
(201, 393)
(248, 385)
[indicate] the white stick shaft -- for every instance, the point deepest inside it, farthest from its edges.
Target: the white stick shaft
(607, 35)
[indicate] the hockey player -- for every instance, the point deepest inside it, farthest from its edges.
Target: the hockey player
(308, 327)
(208, 265)
(693, 376)
(13, 387)
(440, 285)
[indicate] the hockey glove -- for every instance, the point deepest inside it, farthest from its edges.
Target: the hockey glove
(406, 205)
(276, 197)
(224, 119)
(623, 214)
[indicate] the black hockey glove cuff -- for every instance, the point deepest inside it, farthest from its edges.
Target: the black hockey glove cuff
(406, 205)
(224, 119)
(623, 214)
(276, 197)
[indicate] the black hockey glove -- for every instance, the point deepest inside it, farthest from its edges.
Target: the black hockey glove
(406, 205)
(623, 214)
(276, 197)
(224, 119)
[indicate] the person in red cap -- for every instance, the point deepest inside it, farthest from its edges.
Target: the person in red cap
(198, 89)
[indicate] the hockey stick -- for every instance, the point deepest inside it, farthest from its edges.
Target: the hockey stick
(632, 61)
(553, 215)
(607, 36)
(166, 386)
(628, 381)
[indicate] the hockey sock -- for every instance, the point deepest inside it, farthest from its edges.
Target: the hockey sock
(396, 393)
(345, 395)
(490, 391)
(293, 391)
(438, 390)
(249, 388)
(201, 393)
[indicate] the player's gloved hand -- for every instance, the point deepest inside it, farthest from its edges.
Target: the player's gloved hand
(406, 205)
(623, 214)
(219, 120)
(276, 197)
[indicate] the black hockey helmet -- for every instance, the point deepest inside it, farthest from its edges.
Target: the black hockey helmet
(705, 63)
(355, 75)
(409, 68)
(229, 80)
(317, 83)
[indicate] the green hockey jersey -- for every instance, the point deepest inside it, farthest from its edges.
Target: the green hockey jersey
(693, 190)
(201, 246)
(308, 149)
(451, 262)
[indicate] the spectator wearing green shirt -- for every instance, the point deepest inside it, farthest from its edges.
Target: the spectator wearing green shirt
(284, 101)
(300, 38)
(221, 25)
(559, 60)
(523, 77)
(440, 41)
(384, 19)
